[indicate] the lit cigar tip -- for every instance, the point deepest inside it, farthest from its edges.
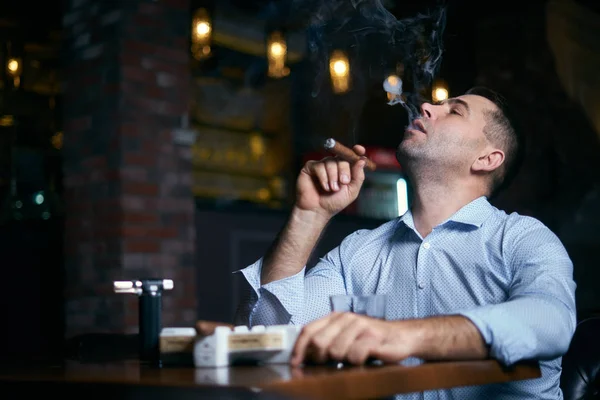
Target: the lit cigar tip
(329, 143)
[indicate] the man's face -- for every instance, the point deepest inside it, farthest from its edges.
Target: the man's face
(449, 134)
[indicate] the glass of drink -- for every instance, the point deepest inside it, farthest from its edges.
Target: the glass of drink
(372, 305)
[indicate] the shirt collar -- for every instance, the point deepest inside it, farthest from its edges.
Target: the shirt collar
(473, 213)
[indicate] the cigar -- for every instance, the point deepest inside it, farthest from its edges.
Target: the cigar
(346, 153)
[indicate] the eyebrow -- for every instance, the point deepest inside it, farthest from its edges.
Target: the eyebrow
(457, 101)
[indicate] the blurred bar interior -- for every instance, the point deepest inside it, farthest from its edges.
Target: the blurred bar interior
(164, 138)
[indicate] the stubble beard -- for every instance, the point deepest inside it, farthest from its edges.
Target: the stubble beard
(411, 154)
(420, 162)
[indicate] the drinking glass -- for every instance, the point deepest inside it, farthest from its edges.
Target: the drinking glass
(372, 305)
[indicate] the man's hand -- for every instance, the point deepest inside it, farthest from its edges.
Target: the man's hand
(353, 338)
(323, 189)
(329, 185)
(207, 328)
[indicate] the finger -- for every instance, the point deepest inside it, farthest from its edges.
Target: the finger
(316, 169)
(361, 349)
(297, 373)
(323, 339)
(358, 176)
(343, 342)
(331, 167)
(206, 328)
(360, 150)
(299, 351)
(344, 172)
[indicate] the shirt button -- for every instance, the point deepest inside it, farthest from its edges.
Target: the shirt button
(426, 245)
(421, 285)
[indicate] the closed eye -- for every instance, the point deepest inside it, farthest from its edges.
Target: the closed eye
(457, 106)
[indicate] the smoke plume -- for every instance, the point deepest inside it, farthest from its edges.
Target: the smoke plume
(377, 43)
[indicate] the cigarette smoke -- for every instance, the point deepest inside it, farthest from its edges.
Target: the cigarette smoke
(376, 43)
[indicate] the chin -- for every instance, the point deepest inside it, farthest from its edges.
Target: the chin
(402, 155)
(398, 155)
(409, 150)
(407, 146)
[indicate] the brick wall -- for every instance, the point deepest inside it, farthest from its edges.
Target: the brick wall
(127, 184)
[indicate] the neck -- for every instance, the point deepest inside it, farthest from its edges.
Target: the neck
(436, 200)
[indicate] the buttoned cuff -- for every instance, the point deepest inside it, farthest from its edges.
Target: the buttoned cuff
(508, 341)
(289, 291)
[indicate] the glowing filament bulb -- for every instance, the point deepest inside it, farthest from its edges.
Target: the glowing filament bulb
(202, 28)
(339, 69)
(439, 94)
(201, 37)
(277, 49)
(393, 86)
(276, 55)
(13, 65)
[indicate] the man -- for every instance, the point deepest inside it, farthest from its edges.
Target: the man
(464, 280)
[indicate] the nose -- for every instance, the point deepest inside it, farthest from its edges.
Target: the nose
(428, 110)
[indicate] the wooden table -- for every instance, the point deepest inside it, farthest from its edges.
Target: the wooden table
(322, 382)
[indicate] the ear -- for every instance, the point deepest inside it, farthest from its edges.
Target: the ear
(489, 161)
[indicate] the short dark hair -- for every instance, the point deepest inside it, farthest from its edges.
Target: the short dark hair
(502, 129)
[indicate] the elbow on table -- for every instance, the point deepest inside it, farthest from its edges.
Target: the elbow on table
(565, 324)
(542, 343)
(557, 344)
(553, 335)
(562, 340)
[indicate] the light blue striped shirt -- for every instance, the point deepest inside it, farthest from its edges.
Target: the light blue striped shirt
(508, 273)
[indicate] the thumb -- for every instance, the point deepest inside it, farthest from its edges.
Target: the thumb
(360, 150)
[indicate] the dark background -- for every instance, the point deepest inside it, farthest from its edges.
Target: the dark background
(56, 285)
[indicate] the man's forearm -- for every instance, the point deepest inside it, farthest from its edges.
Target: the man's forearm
(445, 337)
(292, 247)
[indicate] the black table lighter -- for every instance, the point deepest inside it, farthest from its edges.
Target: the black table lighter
(149, 292)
